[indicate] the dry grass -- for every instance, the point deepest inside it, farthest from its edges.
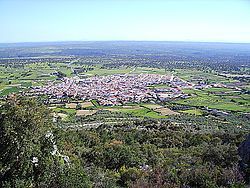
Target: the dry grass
(131, 107)
(152, 106)
(86, 104)
(71, 105)
(166, 111)
(62, 115)
(85, 112)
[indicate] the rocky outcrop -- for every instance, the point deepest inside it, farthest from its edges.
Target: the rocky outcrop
(244, 153)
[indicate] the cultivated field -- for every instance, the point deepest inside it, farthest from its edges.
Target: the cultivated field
(85, 112)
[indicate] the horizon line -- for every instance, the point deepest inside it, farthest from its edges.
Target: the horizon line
(72, 41)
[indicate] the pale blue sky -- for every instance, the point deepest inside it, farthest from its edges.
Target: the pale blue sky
(160, 20)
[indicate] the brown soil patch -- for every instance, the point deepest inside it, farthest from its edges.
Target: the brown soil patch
(85, 112)
(71, 105)
(166, 111)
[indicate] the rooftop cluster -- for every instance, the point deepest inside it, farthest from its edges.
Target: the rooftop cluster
(110, 90)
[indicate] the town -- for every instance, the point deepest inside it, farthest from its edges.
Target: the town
(116, 89)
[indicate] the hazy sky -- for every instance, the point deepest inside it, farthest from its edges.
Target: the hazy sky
(168, 20)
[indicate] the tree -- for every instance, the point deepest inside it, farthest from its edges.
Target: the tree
(29, 156)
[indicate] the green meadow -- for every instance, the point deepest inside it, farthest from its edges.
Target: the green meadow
(203, 98)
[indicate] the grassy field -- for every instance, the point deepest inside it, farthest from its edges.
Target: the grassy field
(135, 110)
(194, 76)
(29, 75)
(144, 110)
(196, 112)
(103, 72)
(125, 70)
(203, 98)
(147, 70)
(68, 111)
(215, 89)
(9, 90)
